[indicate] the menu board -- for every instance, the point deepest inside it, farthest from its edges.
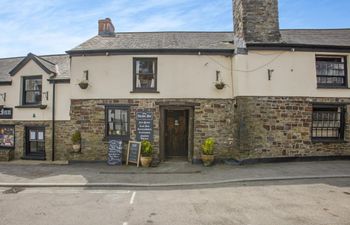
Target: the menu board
(144, 126)
(134, 151)
(115, 152)
(7, 136)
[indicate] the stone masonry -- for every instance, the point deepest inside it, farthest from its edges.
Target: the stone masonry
(256, 20)
(268, 127)
(63, 142)
(212, 118)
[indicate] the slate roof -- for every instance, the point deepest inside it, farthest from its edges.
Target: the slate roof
(159, 41)
(207, 40)
(58, 63)
(320, 37)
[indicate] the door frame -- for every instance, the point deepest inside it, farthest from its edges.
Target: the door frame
(162, 128)
(27, 155)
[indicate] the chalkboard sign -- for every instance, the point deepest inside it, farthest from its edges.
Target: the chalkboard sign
(115, 152)
(134, 151)
(144, 126)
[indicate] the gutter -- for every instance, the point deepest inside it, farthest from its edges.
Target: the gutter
(297, 47)
(98, 52)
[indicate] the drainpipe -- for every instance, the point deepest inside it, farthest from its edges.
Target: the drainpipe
(53, 118)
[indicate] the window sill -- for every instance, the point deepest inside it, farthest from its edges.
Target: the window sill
(145, 91)
(31, 106)
(329, 141)
(124, 139)
(330, 87)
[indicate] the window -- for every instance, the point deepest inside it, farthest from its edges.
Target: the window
(7, 136)
(145, 74)
(328, 122)
(331, 71)
(32, 87)
(117, 119)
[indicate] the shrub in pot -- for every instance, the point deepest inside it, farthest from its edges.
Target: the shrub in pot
(146, 153)
(76, 140)
(208, 152)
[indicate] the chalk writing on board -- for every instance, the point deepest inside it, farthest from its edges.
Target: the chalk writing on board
(134, 151)
(115, 152)
(144, 126)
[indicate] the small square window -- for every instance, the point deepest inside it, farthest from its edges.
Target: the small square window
(117, 122)
(145, 75)
(328, 122)
(331, 71)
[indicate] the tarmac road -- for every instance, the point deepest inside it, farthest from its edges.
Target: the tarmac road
(318, 201)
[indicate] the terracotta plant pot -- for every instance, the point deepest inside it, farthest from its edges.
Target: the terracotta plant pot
(76, 148)
(146, 161)
(83, 85)
(208, 160)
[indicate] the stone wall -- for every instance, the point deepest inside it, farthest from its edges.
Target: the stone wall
(256, 20)
(63, 130)
(281, 127)
(212, 118)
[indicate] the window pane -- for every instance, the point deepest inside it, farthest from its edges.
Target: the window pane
(32, 97)
(331, 71)
(145, 73)
(117, 122)
(33, 84)
(327, 123)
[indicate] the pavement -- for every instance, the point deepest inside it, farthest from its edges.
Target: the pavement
(167, 174)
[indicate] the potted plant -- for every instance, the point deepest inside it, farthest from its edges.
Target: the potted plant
(146, 153)
(76, 140)
(84, 84)
(208, 152)
(220, 85)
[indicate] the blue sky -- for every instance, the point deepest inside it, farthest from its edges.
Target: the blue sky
(54, 26)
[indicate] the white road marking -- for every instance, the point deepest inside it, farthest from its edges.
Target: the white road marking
(48, 191)
(125, 223)
(132, 198)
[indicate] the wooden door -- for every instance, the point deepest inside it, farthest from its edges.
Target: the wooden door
(176, 133)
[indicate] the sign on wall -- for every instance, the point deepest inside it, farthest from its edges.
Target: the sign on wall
(115, 152)
(6, 113)
(144, 126)
(7, 136)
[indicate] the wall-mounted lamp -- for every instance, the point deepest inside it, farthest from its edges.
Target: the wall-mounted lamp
(3, 96)
(269, 72)
(46, 94)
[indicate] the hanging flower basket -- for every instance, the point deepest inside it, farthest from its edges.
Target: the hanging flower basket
(43, 106)
(83, 84)
(220, 85)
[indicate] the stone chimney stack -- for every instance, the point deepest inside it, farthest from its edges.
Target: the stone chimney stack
(106, 28)
(256, 21)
